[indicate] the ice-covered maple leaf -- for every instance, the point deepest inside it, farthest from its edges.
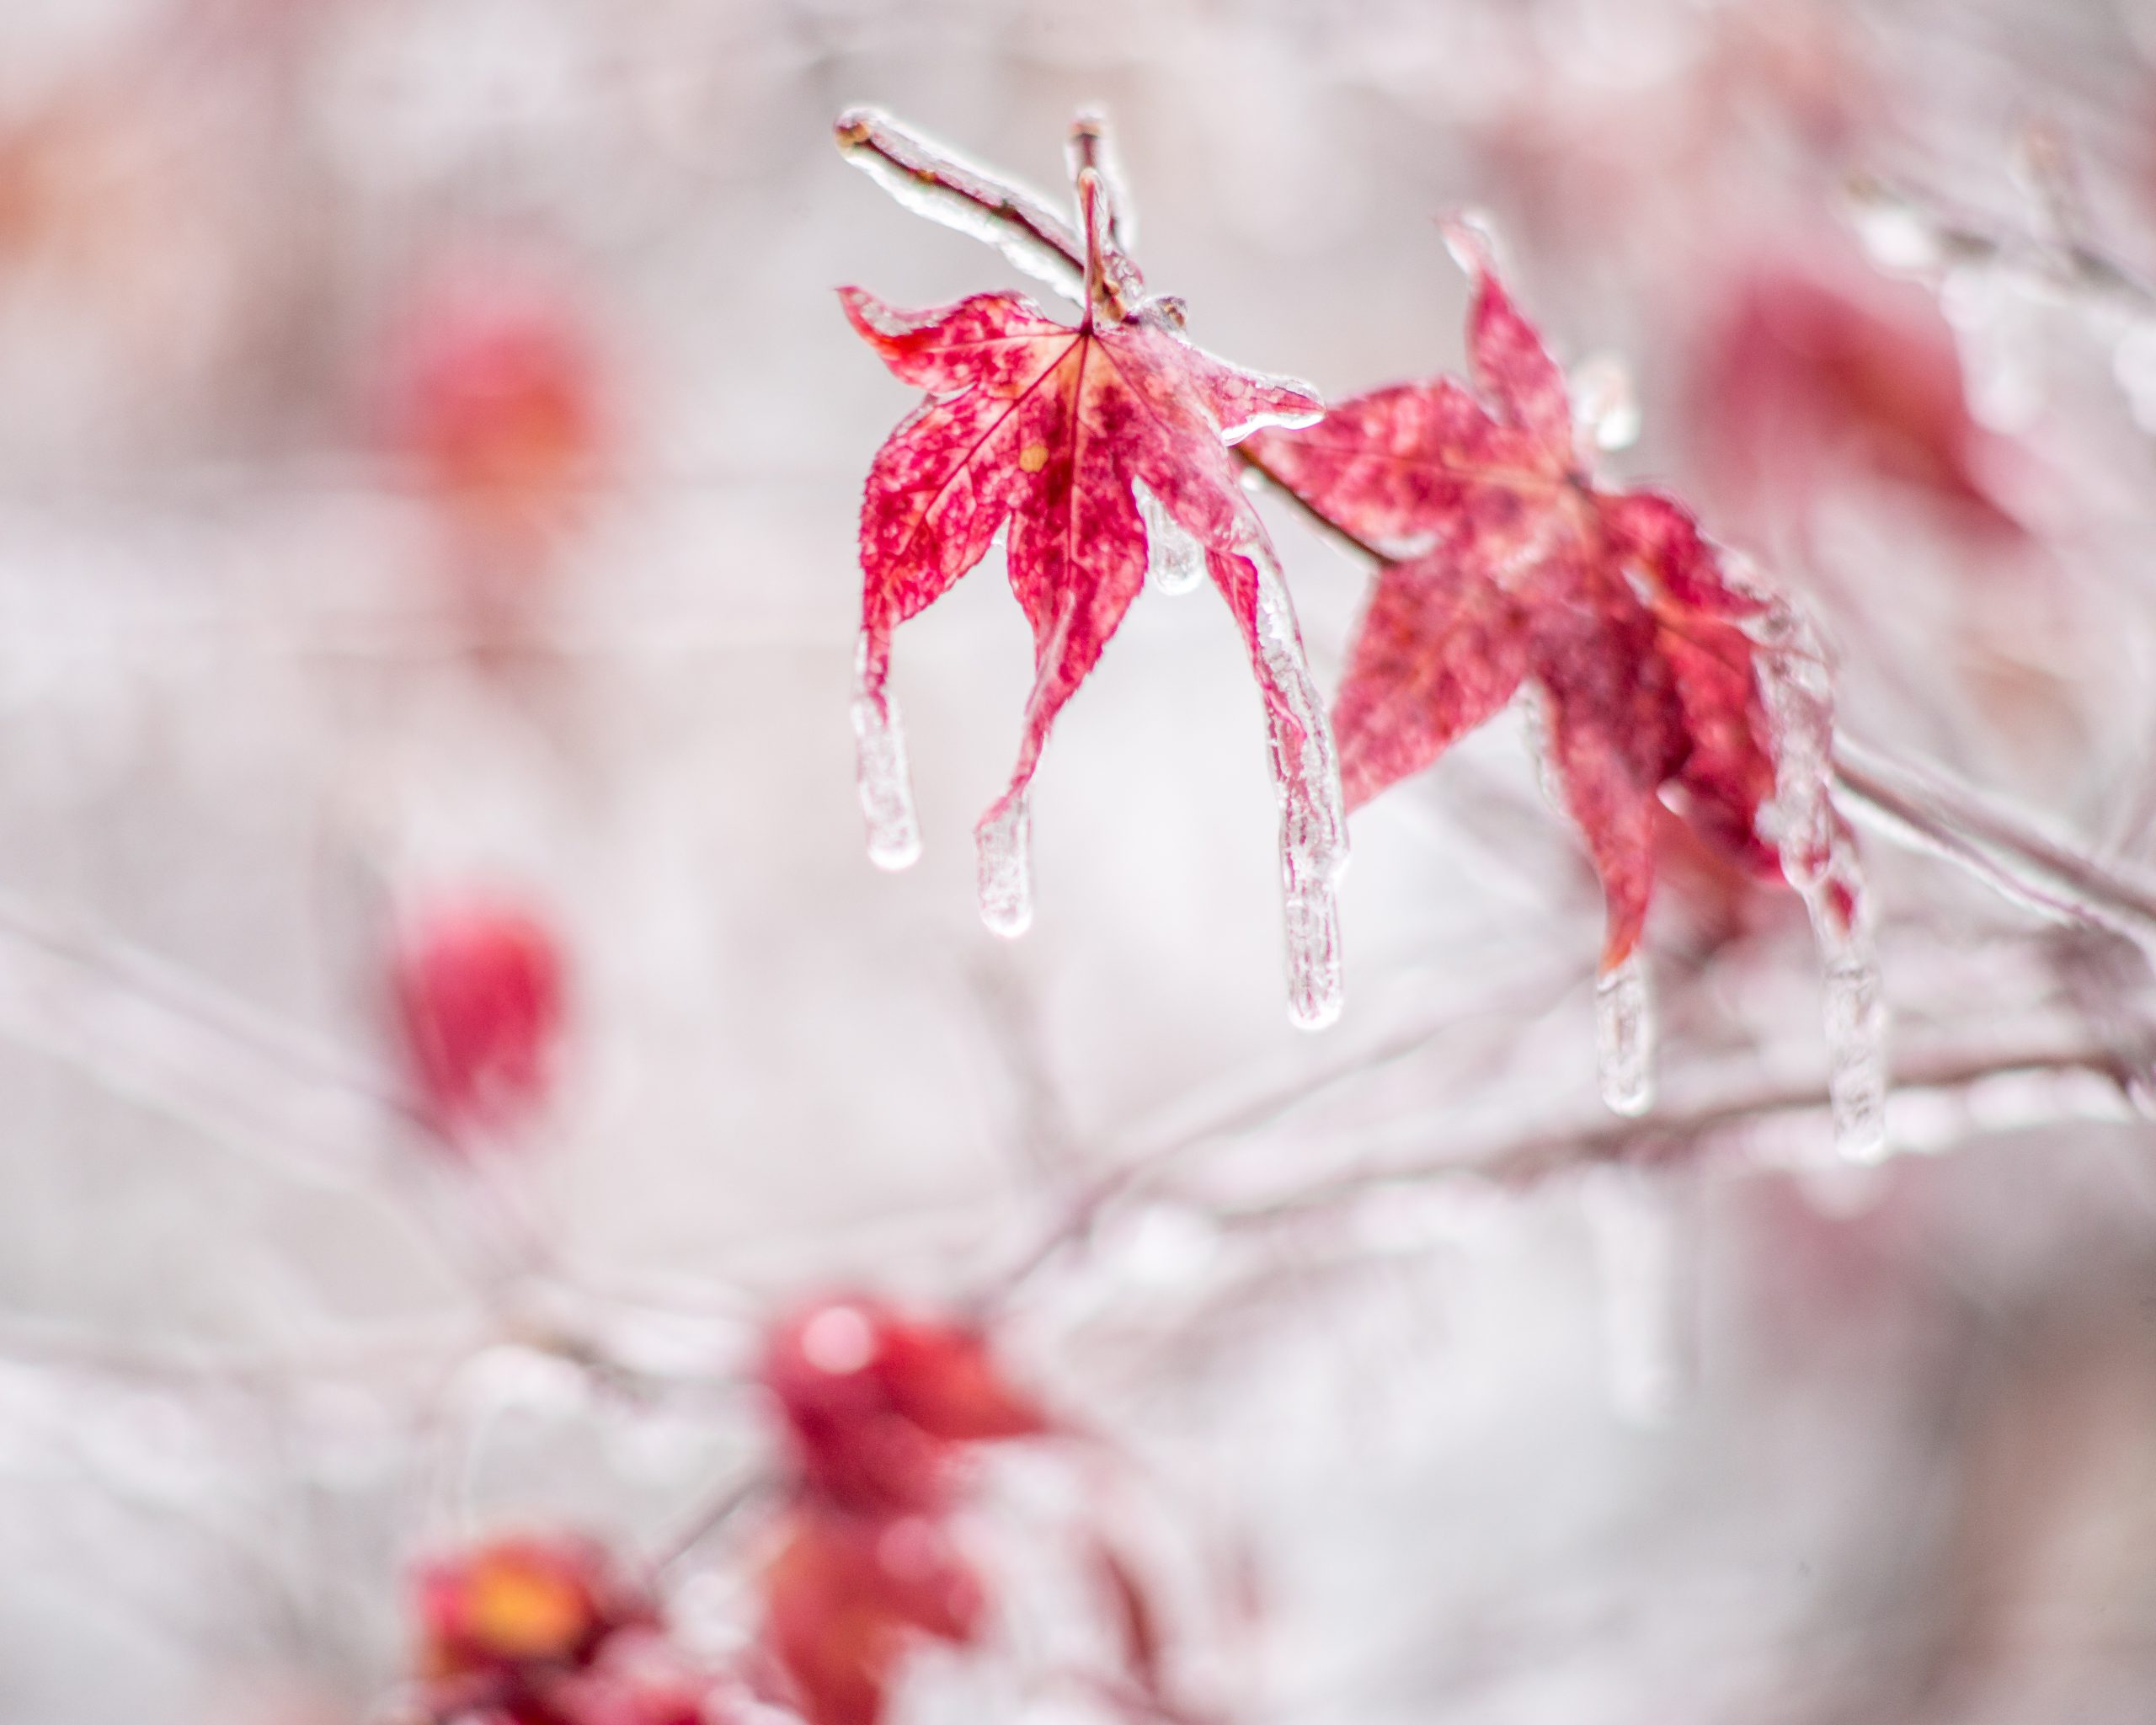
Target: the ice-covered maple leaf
(1098, 448)
(1504, 562)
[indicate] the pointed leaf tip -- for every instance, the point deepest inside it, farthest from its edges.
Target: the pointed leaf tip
(1471, 238)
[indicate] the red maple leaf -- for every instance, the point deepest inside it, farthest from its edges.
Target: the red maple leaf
(848, 1596)
(1507, 564)
(1098, 446)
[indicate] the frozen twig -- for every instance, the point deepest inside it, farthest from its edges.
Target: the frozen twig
(1923, 808)
(710, 1516)
(1904, 232)
(1922, 1088)
(935, 182)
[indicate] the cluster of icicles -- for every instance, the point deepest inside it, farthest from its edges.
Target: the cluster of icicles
(1819, 859)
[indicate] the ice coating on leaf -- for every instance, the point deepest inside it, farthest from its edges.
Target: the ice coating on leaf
(886, 786)
(1507, 567)
(1623, 1022)
(937, 183)
(1175, 561)
(1098, 450)
(1004, 850)
(1641, 1246)
(1505, 354)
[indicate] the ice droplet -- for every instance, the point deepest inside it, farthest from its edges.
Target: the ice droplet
(879, 745)
(1175, 561)
(1471, 236)
(1819, 860)
(1641, 1247)
(1897, 235)
(1624, 1025)
(1306, 779)
(1605, 406)
(1004, 847)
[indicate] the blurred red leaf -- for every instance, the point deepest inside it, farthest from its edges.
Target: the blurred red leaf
(878, 1402)
(478, 992)
(1803, 379)
(499, 401)
(545, 1629)
(1507, 564)
(848, 1592)
(521, 1600)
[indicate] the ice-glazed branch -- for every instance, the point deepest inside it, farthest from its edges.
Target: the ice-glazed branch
(711, 1514)
(179, 1044)
(32, 1343)
(934, 182)
(1934, 1100)
(1925, 809)
(1906, 234)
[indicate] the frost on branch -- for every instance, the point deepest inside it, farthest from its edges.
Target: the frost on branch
(1101, 450)
(1661, 676)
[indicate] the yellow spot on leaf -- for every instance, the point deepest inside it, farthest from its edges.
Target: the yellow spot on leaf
(520, 1612)
(1033, 457)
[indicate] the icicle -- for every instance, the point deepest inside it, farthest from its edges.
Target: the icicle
(1819, 860)
(1855, 1034)
(880, 772)
(1005, 852)
(1624, 1010)
(1306, 778)
(1642, 1250)
(1175, 561)
(1605, 406)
